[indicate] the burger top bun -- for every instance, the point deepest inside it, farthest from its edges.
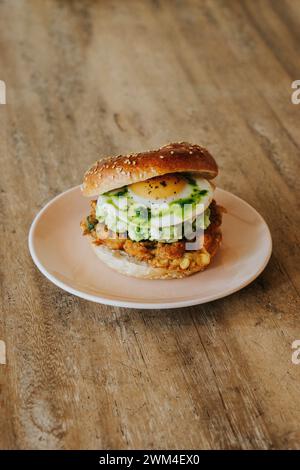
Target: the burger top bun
(123, 170)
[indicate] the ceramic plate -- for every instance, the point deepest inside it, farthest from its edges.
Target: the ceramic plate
(66, 258)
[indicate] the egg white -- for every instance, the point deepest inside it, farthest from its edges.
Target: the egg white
(185, 193)
(164, 212)
(173, 214)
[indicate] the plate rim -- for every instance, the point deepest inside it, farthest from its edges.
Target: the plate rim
(133, 304)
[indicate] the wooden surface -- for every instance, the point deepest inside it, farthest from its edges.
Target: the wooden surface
(88, 78)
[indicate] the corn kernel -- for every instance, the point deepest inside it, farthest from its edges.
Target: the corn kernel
(204, 258)
(185, 263)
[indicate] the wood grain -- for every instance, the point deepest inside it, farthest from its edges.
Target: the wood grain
(89, 78)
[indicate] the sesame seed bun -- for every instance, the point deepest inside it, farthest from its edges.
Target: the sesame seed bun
(123, 170)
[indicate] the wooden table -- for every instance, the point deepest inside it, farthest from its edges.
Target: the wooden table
(89, 78)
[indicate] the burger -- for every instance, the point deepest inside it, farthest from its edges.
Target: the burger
(153, 214)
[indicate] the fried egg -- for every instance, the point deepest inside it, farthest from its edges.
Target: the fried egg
(157, 203)
(172, 198)
(160, 189)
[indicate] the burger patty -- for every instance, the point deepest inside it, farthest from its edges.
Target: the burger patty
(173, 256)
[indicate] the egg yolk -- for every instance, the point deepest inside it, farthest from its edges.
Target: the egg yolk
(160, 187)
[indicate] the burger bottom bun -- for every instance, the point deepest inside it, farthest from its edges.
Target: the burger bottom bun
(125, 264)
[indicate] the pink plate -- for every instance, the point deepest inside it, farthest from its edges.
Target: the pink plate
(65, 257)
